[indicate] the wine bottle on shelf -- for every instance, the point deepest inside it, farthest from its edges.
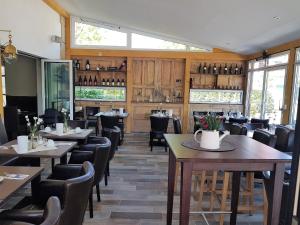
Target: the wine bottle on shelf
(200, 68)
(241, 70)
(215, 69)
(220, 69)
(209, 69)
(80, 80)
(123, 82)
(103, 82)
(77, 64)
(230, 70)
(87, 65)
(225, 69)
(85, 81)
(123, 65)
(107, 82)
(95, 81)
(113, 82)
(191, 83)
(118, 82)
(204, 69)
(236, 69)
(97, 68)
(90, 81)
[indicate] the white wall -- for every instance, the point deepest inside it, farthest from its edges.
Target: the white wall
(32, 23)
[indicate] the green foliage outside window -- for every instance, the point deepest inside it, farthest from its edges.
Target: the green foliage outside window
(100, 93)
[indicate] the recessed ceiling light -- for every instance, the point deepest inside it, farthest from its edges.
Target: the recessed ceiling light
(276, 17)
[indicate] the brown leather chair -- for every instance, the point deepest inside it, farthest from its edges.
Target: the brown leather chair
(159, 126)
(285, 138)
(177, 126)
(265, 137)
(98, 155)
(238, 129)
(77, 123)
(265, 122)
(50, 216)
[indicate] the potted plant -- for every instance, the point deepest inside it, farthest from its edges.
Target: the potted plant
(209, 126)
(65, 118)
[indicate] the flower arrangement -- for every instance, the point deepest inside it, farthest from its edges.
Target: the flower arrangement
(210, 122)
(33, 128)
(65, 115)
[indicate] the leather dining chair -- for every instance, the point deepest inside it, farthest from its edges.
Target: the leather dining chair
(114, 136)
(285, 138)
(159, 126)
(92, 120)
(265, 122)
(97, 154)
(238, 120)
(77, 123)
(71, 184)
(177, 126)
(50, 216)
(51, 117)
(109, 122)
(265, 137)
(238, 129)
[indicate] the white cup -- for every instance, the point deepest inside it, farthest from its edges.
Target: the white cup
(47, 129)
(121, 110)
(77, 130)
(50, 143)
(60, 128)
(22, 143)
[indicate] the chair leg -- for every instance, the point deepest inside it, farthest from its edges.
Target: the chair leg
(98, 192)
(91, 204)
(266, 205)
(251, 190)
(224, 196)
(213, 190)
(108, 173)
(201, 188)
(105, 178)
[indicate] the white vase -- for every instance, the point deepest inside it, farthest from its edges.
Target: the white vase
(210, 139)
(60, 128)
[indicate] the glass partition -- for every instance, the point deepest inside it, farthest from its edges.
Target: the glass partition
(216, 96)
(93, 93)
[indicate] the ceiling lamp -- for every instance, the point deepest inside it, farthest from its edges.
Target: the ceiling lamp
(9, 52)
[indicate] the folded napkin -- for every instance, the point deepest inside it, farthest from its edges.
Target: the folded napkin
(37, 149)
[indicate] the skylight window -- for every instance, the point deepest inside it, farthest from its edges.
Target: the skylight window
(86, 34)
(146, 42)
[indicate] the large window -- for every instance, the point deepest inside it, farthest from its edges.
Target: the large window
(266, 87)
(102, 35)
(216, 96)
(294, 105)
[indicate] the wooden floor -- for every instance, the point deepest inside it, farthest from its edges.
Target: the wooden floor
(137, 190)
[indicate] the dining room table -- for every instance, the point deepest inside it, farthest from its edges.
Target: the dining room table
(246, 155)
(13, 178)
(70, 135)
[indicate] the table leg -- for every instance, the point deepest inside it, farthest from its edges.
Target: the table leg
(275, 196)
(35, 182)
(171, 181)
(235, 191)
(185, 192)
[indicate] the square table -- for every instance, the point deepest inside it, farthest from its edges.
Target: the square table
(9, 186)
(82, 136)
(60, 152)
(248, 155)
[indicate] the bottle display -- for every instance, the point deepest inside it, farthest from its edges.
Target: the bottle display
(90, 81)
(87, 65)
(95, 81)
(77, 64)
(103, 82)
(85, 81)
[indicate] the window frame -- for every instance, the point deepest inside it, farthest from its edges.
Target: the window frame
(129, 33)
(266, 68)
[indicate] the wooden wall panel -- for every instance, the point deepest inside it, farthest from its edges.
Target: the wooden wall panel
(137, 72)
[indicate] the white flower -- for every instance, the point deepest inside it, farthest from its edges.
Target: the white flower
(35, 118)
(26, 117)
(38, 123)
(40, 120)
(28, 124)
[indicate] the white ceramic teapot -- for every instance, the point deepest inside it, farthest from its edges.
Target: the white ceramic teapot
(210, 139)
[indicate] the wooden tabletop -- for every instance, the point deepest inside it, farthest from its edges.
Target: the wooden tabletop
(246, 150)
(123, 115)
(8, 186)
(72, 137)
(60, 150)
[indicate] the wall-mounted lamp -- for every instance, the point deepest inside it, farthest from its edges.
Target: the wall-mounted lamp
(9, 52)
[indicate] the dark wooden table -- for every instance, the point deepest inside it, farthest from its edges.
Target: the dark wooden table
(9, 186)
(249, 155)
(60, 152)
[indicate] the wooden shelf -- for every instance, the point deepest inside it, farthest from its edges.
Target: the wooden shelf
(206, 74)
(103, 71)
(216, 89)
(77, 85)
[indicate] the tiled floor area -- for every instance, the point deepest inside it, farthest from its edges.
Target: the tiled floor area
(137, 190)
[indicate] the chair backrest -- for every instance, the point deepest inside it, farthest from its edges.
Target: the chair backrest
(285, 138)
(11, 121)
(254, 126)
(3, 134)
(265, 137)
(159, 123)
(238, 120)
(101, 147)
(91, 111)
(51, 117)
(238, 129)
(200, 113)
(154, 111)
(76, 196)
(177, 126)
(52, 212)
(217, 113)
(77, 123)
(109, 121)
(265, 122)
